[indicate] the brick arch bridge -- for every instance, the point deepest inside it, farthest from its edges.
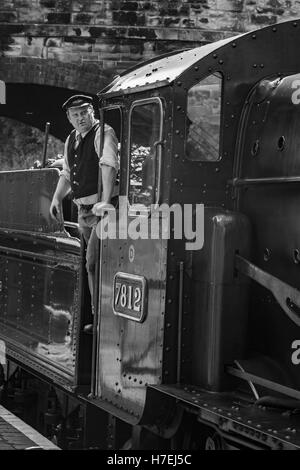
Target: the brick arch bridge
(50, 49)
(36, 88)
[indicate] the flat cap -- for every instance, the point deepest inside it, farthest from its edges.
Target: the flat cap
(76, 101)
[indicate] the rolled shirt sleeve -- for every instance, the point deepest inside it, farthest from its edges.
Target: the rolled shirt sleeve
(110, 147)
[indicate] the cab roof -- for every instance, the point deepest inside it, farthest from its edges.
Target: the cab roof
(162, 70)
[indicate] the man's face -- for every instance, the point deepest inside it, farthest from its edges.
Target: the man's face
(81, 118)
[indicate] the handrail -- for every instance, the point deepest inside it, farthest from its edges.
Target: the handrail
(256, 181)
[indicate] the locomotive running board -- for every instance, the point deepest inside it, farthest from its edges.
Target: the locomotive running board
(236, 418)
(288, 297)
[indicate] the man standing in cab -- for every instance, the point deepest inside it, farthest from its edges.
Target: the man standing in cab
(80, 173)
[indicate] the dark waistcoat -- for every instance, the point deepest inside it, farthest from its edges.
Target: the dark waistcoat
(84, 164)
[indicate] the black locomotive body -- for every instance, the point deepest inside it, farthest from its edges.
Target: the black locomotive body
(192, 348)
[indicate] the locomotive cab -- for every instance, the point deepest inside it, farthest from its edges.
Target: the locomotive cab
(197, 320)
(197, 276)
(160, 302)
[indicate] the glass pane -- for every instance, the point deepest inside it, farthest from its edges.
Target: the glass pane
(203, 119)
(145, 132)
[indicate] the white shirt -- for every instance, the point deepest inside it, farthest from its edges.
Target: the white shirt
(109, 157)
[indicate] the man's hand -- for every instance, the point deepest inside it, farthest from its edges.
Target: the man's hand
(56, 210)
(100, 208)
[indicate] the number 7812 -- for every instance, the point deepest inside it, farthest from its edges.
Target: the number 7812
(128, 296)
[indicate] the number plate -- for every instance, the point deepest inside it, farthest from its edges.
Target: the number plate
(130, 296)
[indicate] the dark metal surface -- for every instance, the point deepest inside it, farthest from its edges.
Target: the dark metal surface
(219, 322)
(130, 353)
(39, 272)
(234, 415)
(25, 198)
(39, 310)
(287, 296)
(271, 201)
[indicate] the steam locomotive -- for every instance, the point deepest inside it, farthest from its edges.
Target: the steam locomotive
(191, 349)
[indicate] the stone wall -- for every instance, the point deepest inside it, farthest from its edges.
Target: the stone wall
(116, 33)
(50, 49)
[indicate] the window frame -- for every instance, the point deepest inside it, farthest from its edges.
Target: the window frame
(215, 72)
(157, 193)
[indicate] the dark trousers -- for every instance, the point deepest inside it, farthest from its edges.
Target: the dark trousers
(87, 225)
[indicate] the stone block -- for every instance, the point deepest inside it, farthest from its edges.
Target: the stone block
(8, 16)
(60, 55)
(149, 6)
(82, 18)
(32, 50)
(33, 15)
(187, 23)
(63, 5)
(126, 18)
(103, 55)
(88, 6)
(100, 20)
(26, 4)
(153, 21)
(72, 45)
(143, 33)
(263, 20)
(53, 42)
(109, 64)
(129, 5)
(51, 4)
(170, 21)
(58, 18)
(230, 5)
(89, 57)
(103, 47)
(7, 5)
(128, 57)
(13, 51)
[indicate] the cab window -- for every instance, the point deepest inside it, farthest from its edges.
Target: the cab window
(145, 134)
(203, 120)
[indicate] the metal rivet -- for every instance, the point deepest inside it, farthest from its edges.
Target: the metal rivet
(267, 254)
(296, 256)
(281, 143)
